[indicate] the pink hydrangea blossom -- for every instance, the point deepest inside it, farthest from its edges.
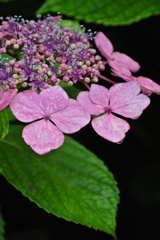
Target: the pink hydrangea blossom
(6, 97)
(122, 98)
(121, 64)
(147, 85)
(56, 113)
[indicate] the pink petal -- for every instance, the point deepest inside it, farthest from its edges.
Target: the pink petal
(120, 70)
(6, 98)
(123, 60)
(99, 95)
(110, 127)
(103, 44)
(54, 99)
(1, 92)
(148, 85)
(42, 136)
(127, 76)
(121, 94)
(27, 106)
(135, 108)
(84, 99)
(72, 118)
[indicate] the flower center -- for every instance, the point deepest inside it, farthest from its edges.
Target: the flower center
(108, 109)
(47, 117)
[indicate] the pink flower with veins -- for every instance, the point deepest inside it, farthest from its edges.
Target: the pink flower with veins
(56, 113)
(122, 98)
(6, 97)
(121, 64)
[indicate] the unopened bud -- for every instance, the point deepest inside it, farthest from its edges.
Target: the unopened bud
(87, 79)
(16, 46)
(70, 83)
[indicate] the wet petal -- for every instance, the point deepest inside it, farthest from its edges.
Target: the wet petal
(42, 136)
(103, 44)
(54, 99)
(135, 108)
(99, 95)
(6, 98)
(26, 106)
(110, 127)
(72, 118)
(85, 101)
(121, 94)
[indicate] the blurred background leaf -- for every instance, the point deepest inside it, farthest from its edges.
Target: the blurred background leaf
(107, 12)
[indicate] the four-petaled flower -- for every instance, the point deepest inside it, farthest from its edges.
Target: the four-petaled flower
(6, 97)
(122, 98)
(56, 113)
(121, 64)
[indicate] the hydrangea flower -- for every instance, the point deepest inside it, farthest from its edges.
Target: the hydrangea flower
(121, 64)
(50, 53)
(147, 85)
(122, 98)
(56, 113)
(6, 97)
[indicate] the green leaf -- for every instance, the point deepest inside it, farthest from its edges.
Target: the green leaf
(107, 12)
(72, 24)
(72, 91)
(2, 224)
(70, 182)
(11, 117)
(6, 57)
(4, 124)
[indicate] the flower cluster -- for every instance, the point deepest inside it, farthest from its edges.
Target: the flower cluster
(45, 53)
(122, 65)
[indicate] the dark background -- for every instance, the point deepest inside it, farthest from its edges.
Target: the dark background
(135, 163)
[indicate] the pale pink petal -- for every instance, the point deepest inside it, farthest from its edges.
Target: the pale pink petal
(123, 60)
(121, 94)
(103, 44)
(146, 91)
(6, 98)
(128, 77)
(54, 99)
(110, 127)
(135, 108)
(43, 136)
(99, 95)
(148, 85)
(119, 70)
(85, 101)
(26, 106)
(72, 118)
(1, 92)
